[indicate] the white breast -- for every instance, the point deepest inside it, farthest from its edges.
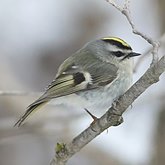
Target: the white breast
(102, 98)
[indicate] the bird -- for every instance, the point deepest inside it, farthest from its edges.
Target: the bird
(91, 78)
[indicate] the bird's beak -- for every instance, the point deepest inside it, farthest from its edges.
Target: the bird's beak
(132, 54)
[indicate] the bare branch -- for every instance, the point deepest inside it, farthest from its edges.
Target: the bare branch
(18, 93)
(126, 12)
(141, 58)
(113, 116)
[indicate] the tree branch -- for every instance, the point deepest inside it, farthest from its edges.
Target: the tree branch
(113, 116)
(126, 12)
(18, 93)
(147, 52)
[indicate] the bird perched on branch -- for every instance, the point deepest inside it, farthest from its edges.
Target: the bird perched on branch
(91, 78)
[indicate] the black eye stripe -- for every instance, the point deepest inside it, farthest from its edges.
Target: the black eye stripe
(117, 53)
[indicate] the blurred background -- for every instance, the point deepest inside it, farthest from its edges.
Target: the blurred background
(35, 37)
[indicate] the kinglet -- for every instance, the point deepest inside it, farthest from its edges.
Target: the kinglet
(91, 78)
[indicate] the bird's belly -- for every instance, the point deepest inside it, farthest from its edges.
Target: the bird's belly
(99, 99)
(103, 97)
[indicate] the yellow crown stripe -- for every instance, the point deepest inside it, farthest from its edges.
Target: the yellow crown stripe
(117, 39)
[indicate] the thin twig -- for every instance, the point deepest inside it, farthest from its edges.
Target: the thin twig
(147, 52)
(126, 12)
(113, 116)
(18, 93)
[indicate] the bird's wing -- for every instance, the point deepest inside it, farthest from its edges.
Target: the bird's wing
(76, 78)
(73, 78)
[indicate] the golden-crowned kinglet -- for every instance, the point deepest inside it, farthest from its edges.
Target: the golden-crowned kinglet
(91, 78)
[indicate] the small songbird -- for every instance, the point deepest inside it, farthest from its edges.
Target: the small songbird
(91, 78)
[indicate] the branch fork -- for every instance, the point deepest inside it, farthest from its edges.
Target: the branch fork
(113, 116)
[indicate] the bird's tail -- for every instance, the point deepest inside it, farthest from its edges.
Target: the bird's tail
(31, 108)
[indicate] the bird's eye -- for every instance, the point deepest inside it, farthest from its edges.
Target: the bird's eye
(118, 53)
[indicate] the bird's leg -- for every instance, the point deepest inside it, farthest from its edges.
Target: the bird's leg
(93, 117)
